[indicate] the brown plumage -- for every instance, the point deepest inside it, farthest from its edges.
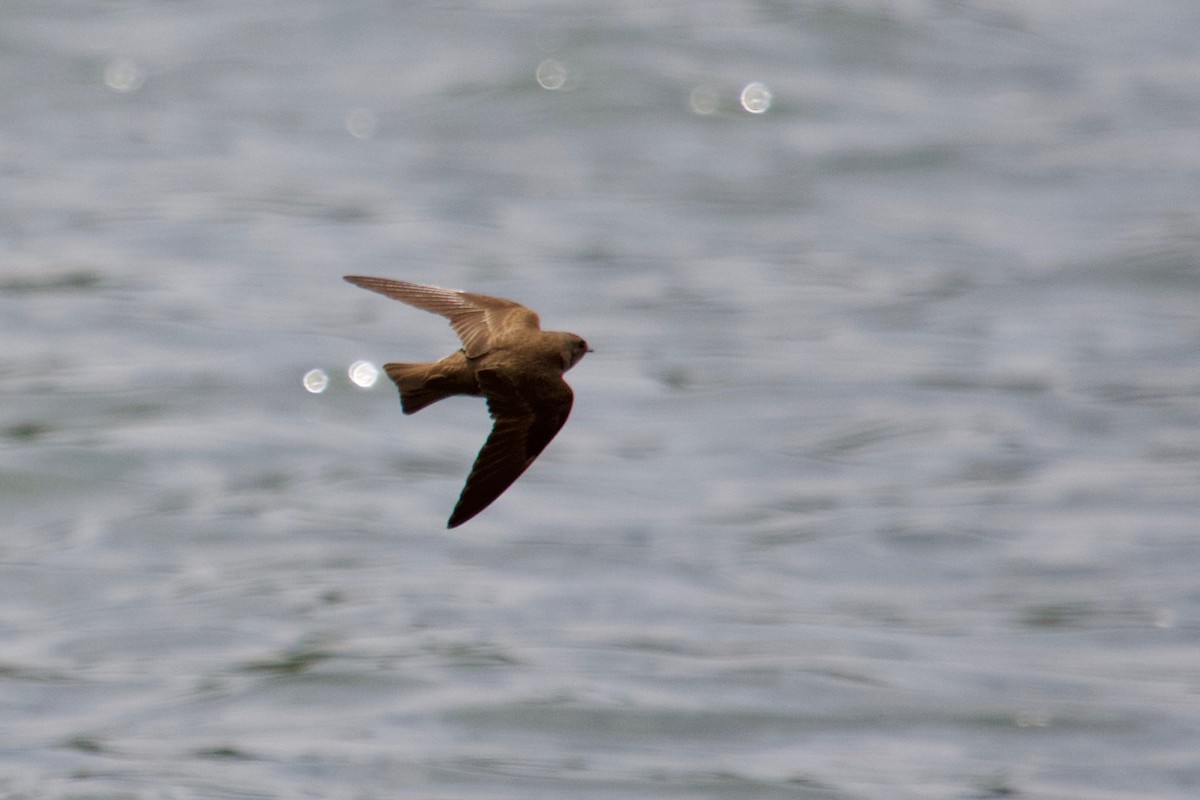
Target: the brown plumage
(507, 358)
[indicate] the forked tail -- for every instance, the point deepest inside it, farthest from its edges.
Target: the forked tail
(418, 385)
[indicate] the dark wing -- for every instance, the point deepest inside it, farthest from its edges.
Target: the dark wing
(522, 429)
(476, 318)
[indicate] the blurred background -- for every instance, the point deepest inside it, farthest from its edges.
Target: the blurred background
(881, 483)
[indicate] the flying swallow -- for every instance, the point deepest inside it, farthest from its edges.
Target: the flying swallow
(508, 359)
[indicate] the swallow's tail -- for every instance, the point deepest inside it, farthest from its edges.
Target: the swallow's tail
(417, 387)
(421, 385)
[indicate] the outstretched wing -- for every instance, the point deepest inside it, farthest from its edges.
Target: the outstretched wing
(523, 427)
(476, 318)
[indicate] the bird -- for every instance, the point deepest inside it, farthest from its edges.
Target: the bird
(508, 360)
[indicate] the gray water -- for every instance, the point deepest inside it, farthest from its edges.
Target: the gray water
(881, 483)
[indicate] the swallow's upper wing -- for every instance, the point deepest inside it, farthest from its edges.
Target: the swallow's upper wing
(476, 318)
(523, 427)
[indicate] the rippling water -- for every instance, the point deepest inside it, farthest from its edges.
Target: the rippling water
(882, 482)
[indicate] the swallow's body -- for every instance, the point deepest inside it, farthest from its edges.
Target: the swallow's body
(507, 358)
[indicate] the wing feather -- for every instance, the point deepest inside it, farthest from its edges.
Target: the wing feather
(476, 318)
(523, 426)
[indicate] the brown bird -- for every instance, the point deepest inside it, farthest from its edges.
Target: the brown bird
(507, 358)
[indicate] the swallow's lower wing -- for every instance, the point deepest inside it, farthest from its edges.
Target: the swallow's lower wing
(476, 318)
(523, 427)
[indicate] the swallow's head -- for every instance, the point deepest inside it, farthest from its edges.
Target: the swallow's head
(574, 348)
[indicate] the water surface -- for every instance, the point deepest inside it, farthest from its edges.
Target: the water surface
(882, 482)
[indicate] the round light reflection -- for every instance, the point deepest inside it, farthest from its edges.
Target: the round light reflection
(756, 97)
(316, 381)
(551, 74)
(363, 374)
(361, 123)
(124, 75)
(704, 100)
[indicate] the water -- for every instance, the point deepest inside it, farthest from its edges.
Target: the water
(882, 482)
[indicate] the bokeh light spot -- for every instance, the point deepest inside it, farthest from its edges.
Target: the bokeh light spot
(361, 123)
(124, 75)
(315, 380)
(363, 374)
(704, 100)
(551, 74)
(756, 97)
